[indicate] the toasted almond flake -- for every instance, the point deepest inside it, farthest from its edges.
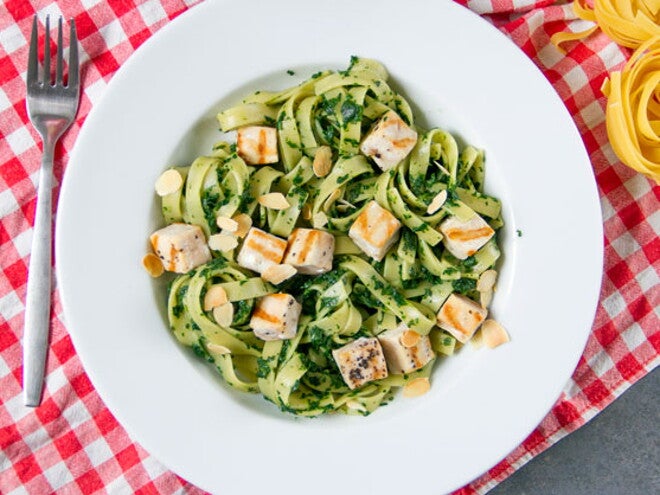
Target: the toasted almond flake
(493, 333)
(322, 163)
(439, 165)
(485, 298)
(343, 202)
(410, 338)
(437, 202)
(222, 242)
(343, 205)
(224, 314)
(274, 201)
(215, 296)
(416, 387)
(169, 182)
(307, 211)
(276, 274)
(217, 349)
(355, 405)
(153, 265)
(319, 220)
(329, 201)
(227, 224)
(244, 223)
(487, 280)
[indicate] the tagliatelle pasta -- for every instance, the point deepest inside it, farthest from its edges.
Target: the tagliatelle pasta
(343, 305)
(627, 22)
(633, 110)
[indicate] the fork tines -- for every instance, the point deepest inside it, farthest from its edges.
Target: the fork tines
(33, 62)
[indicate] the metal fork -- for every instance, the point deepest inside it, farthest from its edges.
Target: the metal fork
(52, 107)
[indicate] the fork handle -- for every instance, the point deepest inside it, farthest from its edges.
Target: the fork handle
(37, 305)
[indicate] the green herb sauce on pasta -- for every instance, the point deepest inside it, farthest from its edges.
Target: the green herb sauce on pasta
(360, 297)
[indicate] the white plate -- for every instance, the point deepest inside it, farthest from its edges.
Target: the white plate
(460, 73)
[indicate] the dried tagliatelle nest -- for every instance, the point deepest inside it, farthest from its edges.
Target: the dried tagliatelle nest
(628, 23)
(633, 110)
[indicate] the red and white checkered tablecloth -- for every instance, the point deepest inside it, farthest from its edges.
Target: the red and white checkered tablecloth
(73, 444)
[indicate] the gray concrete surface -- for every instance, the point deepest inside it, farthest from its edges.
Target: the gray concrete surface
(616, 453)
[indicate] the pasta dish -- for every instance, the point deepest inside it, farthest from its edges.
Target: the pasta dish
(333, 251)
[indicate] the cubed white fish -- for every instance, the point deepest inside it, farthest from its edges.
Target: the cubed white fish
(463, 239)
(361, 361)
(260, 250)
(375, 230)
(402, 359)
(180, 247)
(257, 145)
(389, 141)
(461, 317)
(275, 317)
(310, 251)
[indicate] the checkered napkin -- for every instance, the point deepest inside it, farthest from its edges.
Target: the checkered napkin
(73, 444)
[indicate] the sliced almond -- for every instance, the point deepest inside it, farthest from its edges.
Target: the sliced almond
(355, 405)
(487, 280)
(439, 165)
(307, 211)
(344, 206)
(485, 298)
(153, 265)
(493, 334)
(322, 163)
(276, 274)
(410, 338)
(345, 203)
(319, 220)
(215, 296)
(274, 201)
(416, 387)
(330, 200)
(217, 349)
(437, 202)
(224, 314)
(169, 182)
(244, 222)
(227, 224)
(222, 242)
